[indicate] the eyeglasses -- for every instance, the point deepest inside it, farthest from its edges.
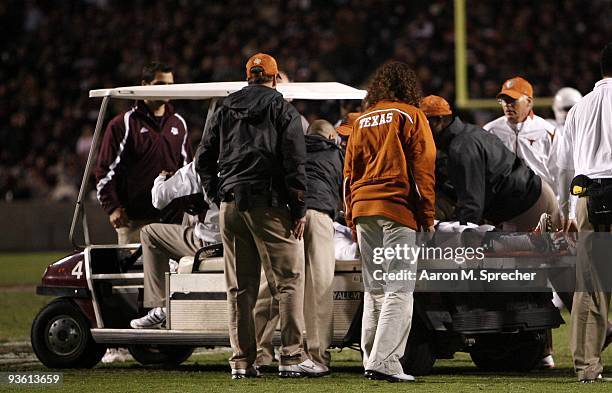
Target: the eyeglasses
(506, 101)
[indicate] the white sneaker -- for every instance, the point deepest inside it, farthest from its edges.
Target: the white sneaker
(240, 373)
(116, 355)
(377, 376)
(545, 224)
(307, 368)
(546, 363)
(154, 319)
(403, 377)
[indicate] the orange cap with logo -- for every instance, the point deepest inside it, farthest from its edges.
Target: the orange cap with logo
(261, 63)
(435, 106)
(515, 88)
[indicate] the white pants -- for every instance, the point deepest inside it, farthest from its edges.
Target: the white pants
(387, 311)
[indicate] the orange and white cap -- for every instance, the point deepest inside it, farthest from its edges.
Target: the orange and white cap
(515, 88)
(261, 63)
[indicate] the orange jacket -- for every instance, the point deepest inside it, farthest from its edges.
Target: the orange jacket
(390, 160)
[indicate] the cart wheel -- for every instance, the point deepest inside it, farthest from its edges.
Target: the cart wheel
(419, 356)
(164, 355)
(61, 338)
(508, 352)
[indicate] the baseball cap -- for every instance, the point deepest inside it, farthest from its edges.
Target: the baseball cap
(261, 63)
(435, 106)
(515, 88)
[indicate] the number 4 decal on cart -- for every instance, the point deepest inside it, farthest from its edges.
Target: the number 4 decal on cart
(78, 270)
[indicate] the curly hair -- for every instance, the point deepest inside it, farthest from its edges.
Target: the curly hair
(394, 81)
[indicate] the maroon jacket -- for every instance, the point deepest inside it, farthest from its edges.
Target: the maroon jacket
(135, 149)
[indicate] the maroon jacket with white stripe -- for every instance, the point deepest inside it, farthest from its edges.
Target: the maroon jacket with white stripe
(136, 147)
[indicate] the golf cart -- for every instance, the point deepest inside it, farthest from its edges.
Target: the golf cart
(97, 296)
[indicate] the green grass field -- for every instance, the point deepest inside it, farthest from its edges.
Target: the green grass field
(18, 300)
(210, 372)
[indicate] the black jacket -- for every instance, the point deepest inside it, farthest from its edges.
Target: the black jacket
(324, 163)
(255, 141)
(490, 181)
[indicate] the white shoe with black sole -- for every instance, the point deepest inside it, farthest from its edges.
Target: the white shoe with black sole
(307, 368)
(378, 376)
(154, 319)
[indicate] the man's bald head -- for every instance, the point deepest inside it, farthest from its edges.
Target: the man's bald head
(322, 128)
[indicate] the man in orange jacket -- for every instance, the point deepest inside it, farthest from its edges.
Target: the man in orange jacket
(389, 176)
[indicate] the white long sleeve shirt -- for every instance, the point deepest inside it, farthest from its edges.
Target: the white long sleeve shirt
(586, 147)
(187, 182)
(562, 176)
(344, 246)
(530, 140)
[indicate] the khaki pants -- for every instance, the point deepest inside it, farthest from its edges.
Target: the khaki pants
(318, 294)
(387, 309)
(266, 321)
(131, 233)
(526, 221)
(589, 317)
(159, 243)
(252, 239)
(319, 291)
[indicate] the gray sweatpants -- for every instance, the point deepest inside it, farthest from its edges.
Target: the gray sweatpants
(387, 311)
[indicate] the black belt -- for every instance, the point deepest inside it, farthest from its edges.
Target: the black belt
(231, 197)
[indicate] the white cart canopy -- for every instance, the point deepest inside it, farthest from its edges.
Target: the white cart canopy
(200, 91)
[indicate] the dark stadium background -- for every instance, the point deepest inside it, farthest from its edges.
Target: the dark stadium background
(53, 52)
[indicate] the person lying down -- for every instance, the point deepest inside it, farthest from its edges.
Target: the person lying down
(541, 240)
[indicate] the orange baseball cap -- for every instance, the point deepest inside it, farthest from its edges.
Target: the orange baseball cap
(346, 127)
(435, 106)
(261, 63)
(515, 88)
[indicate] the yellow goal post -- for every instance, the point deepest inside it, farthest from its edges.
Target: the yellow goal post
(462, 92)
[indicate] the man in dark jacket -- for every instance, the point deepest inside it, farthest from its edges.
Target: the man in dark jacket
(490, 182)
(137, 145)
(324, 162)
(251, 158)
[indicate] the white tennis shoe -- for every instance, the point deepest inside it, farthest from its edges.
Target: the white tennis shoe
(154, 319)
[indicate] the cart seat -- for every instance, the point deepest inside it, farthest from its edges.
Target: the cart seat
(207, 265)
(217, 265)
